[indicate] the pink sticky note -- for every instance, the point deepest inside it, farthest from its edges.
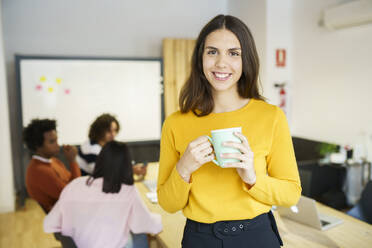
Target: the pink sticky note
(39, 87)
(67, 91)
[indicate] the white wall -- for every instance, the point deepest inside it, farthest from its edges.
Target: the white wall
(114, 28)
(104, 28)
(332, 74)
(7, 198)
(279, 36)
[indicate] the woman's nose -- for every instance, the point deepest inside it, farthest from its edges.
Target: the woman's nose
(221, 61)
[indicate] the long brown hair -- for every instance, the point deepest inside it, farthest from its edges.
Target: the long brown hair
(196, 94)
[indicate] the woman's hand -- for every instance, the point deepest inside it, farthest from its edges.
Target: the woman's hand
(245, 167)
(198, 152)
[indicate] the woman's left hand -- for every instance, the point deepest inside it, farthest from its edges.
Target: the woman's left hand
(245, 167)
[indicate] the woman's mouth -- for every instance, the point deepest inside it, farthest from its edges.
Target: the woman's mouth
(221, 76)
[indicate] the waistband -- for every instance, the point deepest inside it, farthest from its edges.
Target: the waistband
(227, 228)
(223, 229)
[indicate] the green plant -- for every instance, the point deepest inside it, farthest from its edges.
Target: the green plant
(325, 148)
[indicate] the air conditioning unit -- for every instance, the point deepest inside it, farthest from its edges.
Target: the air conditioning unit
(349, 14)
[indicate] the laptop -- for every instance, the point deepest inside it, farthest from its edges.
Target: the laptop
(306, 212)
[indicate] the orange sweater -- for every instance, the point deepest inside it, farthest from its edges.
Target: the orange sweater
(45, 181)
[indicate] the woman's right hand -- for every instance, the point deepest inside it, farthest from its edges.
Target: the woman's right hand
(198, 152)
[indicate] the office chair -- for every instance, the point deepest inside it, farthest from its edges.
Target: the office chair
(363, 209)
(66, 241)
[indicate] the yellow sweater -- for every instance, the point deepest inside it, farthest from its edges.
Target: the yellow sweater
(215, 193)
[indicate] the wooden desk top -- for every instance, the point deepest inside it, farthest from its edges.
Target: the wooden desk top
(352, 233)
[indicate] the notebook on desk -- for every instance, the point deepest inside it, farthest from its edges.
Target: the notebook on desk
(151, 186)
(307, 213)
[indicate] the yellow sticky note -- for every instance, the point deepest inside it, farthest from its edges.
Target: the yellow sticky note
(58, 80)
(50, 89)
(42, 79)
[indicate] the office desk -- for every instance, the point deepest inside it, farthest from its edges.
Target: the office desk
(352, 233)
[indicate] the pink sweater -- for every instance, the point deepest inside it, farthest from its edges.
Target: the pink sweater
(97, 219)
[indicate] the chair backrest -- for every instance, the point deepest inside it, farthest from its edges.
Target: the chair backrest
(366, 202)
(66, 241)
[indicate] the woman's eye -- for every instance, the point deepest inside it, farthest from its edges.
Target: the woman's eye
(234, 54)
(211, 52)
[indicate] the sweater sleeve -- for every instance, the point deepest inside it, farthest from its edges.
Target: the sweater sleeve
(281, 185)
(173, 191)
(141, 220)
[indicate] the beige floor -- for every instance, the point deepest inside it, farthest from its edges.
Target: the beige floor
(24, 228)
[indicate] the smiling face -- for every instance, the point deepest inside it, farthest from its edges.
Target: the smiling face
(222, 61)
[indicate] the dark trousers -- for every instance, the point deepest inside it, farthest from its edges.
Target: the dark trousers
(260, 232)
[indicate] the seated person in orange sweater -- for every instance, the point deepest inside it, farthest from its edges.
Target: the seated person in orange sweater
(46, 175)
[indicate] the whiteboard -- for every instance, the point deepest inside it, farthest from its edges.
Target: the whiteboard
(75, 91)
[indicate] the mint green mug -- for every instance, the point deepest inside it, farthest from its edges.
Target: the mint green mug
(220, 136)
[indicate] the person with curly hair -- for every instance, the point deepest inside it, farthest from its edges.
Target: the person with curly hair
(46, 175)
(104, 129)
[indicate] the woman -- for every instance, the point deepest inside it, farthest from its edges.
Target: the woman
(104, 129)
(227, 207)
(102, 209)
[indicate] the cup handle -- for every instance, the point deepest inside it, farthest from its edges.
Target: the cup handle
(214, 160)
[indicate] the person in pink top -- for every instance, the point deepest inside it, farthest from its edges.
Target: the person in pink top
(102, 209)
